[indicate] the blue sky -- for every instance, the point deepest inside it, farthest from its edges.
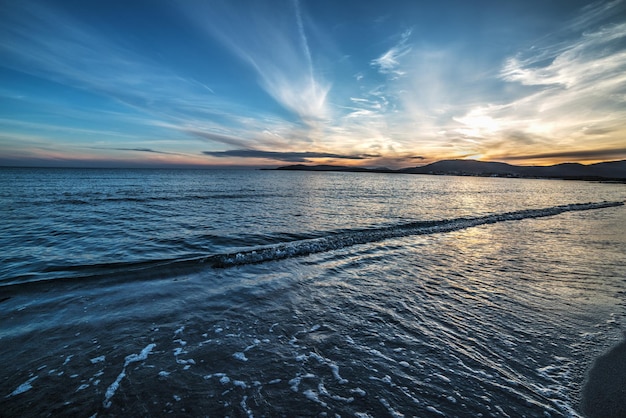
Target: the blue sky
(393, 83)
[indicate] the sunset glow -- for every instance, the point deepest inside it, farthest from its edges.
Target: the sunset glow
(395, 84)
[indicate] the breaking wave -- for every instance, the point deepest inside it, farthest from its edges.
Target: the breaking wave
(350, 238)
(299, 246)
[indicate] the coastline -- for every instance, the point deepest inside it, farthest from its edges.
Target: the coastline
(609, 172)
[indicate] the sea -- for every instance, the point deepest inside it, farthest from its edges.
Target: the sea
(251, 293)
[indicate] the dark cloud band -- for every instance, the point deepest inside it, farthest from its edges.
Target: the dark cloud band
(293, 157)
(613, 153)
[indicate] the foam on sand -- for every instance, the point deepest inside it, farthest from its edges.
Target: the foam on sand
(131, 358)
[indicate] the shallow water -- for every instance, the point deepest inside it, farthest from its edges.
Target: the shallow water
(111, 308)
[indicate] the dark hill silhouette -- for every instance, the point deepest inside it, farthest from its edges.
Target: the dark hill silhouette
(613, 170)
(464, 167)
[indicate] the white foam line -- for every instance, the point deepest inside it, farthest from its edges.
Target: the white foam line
(333, 242)
(295, 383)
(359, 392)
(435, 411)
(387, 379)
(131, 358)
(391, 411)
(333, 367)
(240, 383)
(244, 406)
(97, 359)
(24, 387)
(313, 396)
(323, 391)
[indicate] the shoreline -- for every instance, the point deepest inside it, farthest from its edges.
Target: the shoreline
(470, 168)
(603, 390)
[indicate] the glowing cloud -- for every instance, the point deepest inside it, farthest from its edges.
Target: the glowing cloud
(274, 44)
(251, 81)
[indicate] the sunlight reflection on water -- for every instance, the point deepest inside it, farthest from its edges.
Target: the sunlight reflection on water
(501, 318)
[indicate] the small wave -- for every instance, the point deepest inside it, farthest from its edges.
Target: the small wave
(100, 198)
(297, 246)
(350, 238)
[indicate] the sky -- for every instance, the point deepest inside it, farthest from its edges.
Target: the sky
(362, 83)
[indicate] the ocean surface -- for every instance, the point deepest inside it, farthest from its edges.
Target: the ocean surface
(276, 293)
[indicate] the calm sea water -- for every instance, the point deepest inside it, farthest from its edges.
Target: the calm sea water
(267, 293)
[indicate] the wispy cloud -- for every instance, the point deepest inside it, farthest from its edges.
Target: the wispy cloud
(595, 13)
(45, 42)
(596, 57)
(388, 63)
(275, 45)
(48, 43)
(217, 137)
(568, 91)
(149, 150)
(299, 157)
(573, 95)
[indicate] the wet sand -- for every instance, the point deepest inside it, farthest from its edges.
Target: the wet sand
(604, 393)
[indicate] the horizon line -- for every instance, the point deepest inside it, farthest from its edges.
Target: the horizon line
(112, 164)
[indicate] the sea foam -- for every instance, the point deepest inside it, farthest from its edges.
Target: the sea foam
(132, 358)
(375, 234)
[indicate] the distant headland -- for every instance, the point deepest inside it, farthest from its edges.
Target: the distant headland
(607, 171)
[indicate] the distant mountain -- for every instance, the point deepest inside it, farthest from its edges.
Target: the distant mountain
(614, 170)
(464, 167)
(611, 168)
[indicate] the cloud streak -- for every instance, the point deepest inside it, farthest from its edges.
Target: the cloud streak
(273, 44)
(594, 58)
(389, 62)
(149, 150)
(608, 154)
(299, 157)
(47, 43)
